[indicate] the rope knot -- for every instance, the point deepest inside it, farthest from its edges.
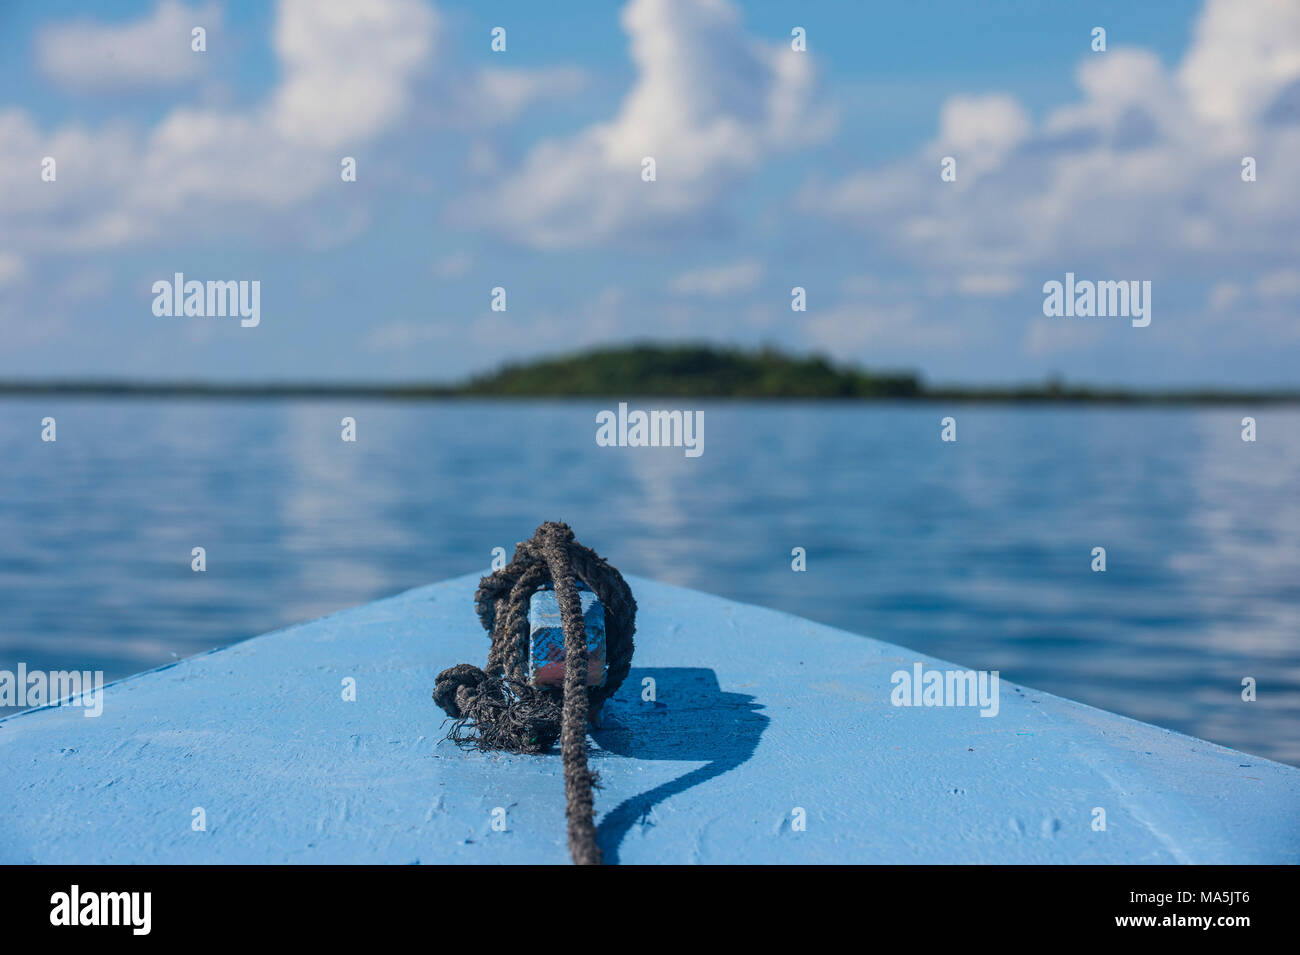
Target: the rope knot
(457, 687)
(509, 714)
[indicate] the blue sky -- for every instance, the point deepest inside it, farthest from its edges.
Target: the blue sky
(775, 169)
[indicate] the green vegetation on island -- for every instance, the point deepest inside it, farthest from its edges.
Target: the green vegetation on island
(690, 371)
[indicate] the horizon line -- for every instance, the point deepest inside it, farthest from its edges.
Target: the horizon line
(1050, 392)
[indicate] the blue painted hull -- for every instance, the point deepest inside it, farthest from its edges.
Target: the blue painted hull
(770, 739)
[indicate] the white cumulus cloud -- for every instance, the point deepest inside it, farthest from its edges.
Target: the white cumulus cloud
(90, 55)
(347, 72)
(1141, 175)
(709, 104)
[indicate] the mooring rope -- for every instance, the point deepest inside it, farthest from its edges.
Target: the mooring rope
(507, 713)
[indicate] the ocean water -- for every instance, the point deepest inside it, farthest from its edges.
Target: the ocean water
(977, 551)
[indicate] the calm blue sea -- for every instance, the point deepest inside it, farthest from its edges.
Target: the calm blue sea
(977, 552)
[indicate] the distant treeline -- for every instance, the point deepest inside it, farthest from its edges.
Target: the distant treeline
(668, 371)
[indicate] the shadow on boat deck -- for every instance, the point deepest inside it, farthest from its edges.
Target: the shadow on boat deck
(689, 719)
